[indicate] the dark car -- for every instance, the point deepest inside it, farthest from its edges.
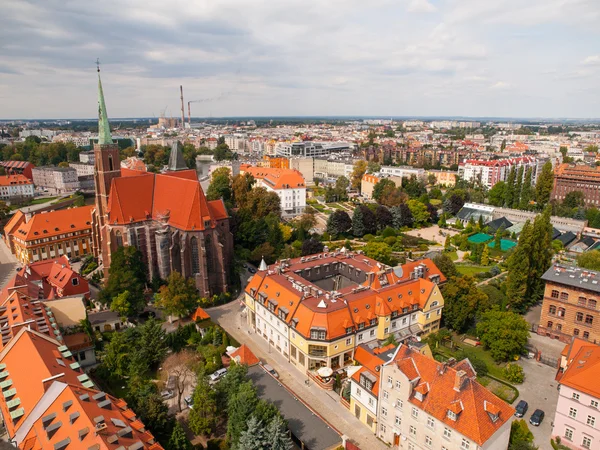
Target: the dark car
(251, 270)
(521, 408)
(537, 417)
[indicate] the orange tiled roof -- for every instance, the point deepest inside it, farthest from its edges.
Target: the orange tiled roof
(56, 276)
(11, 180)
(14, 222)
(176, 197)
(584, 371)
(473, 404)
(244, 355)
(200, 314)
(276, 178)
(53, 223)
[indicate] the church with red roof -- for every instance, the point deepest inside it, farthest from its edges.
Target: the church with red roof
(166, 216)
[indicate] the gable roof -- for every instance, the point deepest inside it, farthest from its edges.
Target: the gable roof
(173, 197)
(495, 225)
(200, 314)
(53, 223)
(244, 355)
(14, 222)
(583, 372)
(453, 388)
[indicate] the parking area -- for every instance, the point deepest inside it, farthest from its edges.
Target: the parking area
(305, 426)
(539, 390)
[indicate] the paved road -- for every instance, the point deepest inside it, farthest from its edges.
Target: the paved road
(325, 403)
(8, 264)
(540, 391)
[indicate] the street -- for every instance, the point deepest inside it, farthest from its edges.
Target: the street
(539, 390)
(8, 264)
(325, 403)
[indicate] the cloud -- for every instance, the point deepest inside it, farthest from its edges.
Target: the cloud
(592, 60)
(421, 6)
(500, 85)
(299, 57)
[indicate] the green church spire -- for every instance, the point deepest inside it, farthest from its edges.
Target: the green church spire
(104, 136)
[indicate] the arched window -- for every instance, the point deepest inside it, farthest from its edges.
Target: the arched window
(208, 245)
(110, 163)
(195, 255)
(119, 239)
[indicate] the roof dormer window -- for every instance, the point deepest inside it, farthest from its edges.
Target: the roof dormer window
(452, 415)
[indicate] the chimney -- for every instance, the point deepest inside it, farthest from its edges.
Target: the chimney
(371, 277)
(459, 380)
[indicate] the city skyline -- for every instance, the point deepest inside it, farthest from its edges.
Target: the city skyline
(415, 59)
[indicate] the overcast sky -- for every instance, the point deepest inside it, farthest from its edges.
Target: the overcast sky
(517, 58)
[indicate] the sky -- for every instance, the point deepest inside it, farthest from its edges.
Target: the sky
(493, 58)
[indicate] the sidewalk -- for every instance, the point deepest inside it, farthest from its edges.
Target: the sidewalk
(325, 403)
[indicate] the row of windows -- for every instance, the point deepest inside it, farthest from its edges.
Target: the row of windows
(581, 301)
(591, 420)
(465, 444)
(586, 442)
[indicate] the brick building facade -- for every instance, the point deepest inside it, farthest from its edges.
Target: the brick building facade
(570, 178)
(570, 306)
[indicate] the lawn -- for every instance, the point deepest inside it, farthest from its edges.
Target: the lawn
(35, 201)
(435, 202)
(452, 255)
(471, 269)
(479, 352)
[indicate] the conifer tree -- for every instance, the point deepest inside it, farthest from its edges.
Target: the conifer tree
(485, 255)
(277, 436)
(518, 270)
(526, 191)
(544, 185)
(517, 195)
(540, 255)
(254, 437)
(509, 192)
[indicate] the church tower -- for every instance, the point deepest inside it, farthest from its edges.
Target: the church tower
(106, 167)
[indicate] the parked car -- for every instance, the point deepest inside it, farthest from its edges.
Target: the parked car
(189, 401)
(167, 394)
(272, 371)
(217, 375)
(521, 408)
(536, 418)
(251, 270)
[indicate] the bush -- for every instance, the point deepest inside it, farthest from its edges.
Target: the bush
(391, 240)
(495, 271)
(514, 373)
(368, 237)
(388, 232)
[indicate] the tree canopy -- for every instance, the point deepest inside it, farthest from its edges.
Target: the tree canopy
(504, 333)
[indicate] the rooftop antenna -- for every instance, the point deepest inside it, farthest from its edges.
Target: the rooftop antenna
(98, 64)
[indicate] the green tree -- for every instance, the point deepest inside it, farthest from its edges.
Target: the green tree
(126, 273)
(178, 439)
(381, 187)
(122, 304)
(498, 238)
(518, 270)
(518, 188)
(461, 302)
(453, 204)
(220, 185)
(261, 203)
(402, 216)
(363, 221)
(544, 185)
(384, 217)
(179, 296)
(311, 246)
(485, 255)
(277, 436)
(115, 356)
(339, 223)
(589, 260)
(242, 405)
(526, 191)
(241, 185)
(497, 193)
(574, 199)
(203, 417)
(379, 251)
(504, 333)
(152, 342)
(360, 168)
(236, 375)
(254, 437)
(540, 256)
(519, 432)
(419, 212)
(446, 266)
(509, 191)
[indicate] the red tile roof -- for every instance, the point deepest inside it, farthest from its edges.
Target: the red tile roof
(244, 355)
(175, 197)
(200, 314)
(53, 223)
(276, 178)
(473, 404)
(57, 278)
(11, 180)
(583, 372)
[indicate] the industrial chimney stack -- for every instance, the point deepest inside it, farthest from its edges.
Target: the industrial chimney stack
(182, 109)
